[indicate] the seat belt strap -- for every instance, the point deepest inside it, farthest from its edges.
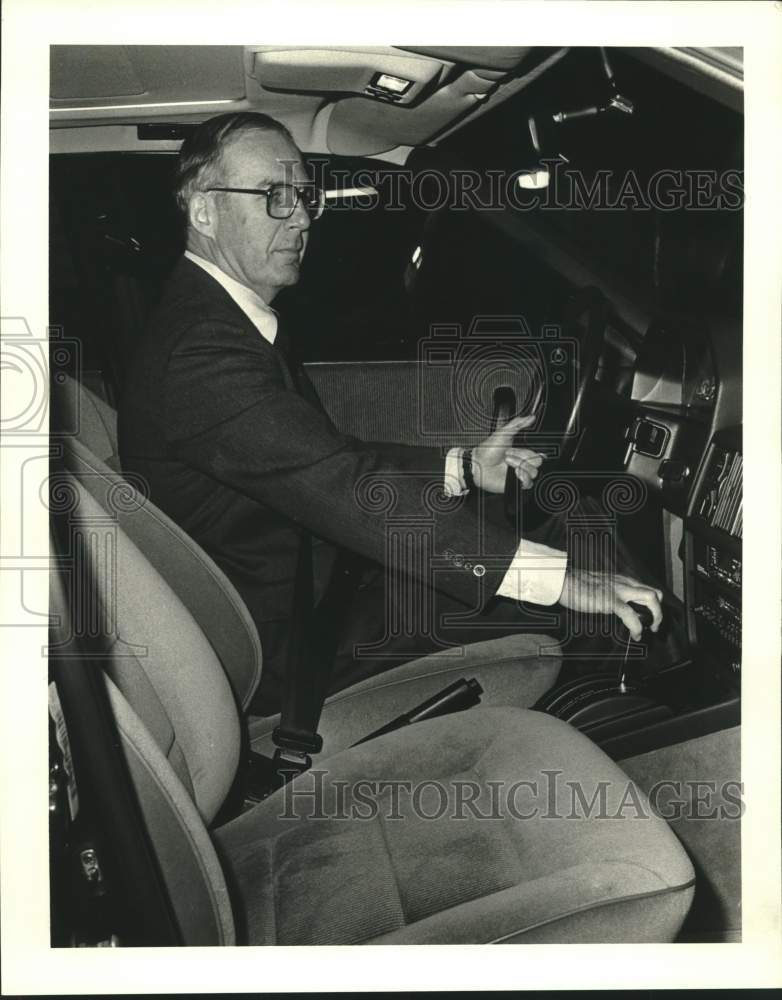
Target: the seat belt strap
(313, 635)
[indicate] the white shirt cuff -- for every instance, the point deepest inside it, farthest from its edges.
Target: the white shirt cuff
(536, 574)
(454, 477)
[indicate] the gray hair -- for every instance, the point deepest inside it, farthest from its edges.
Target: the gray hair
(199, 156)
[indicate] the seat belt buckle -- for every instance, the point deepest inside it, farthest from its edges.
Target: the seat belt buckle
(286, 758)
(266, 775)
(296, 744)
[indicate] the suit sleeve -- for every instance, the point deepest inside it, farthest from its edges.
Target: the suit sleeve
(230, 414)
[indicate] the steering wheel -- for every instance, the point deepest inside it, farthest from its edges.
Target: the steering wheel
(587, 301)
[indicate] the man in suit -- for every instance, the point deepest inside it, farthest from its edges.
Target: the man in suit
(230, 435)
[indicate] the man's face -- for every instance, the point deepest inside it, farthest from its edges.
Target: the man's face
(260, 252)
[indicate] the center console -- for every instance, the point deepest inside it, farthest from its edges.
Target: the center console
(701, 692)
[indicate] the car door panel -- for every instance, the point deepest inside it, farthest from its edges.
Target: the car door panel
(413, 402)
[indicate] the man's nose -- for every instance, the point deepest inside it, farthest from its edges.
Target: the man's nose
(300, 218)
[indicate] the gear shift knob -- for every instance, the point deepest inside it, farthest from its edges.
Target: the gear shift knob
(643, 613)
(646, 620)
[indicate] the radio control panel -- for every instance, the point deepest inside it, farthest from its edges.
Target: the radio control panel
(720, 565)
(716, 605)
(713, 558)
(724, 616)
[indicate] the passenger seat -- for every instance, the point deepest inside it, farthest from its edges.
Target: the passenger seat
(324, 861)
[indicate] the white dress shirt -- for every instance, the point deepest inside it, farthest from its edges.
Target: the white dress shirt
(261, 315)
(536, 573)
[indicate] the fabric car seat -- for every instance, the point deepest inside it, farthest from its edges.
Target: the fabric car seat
(573, 853)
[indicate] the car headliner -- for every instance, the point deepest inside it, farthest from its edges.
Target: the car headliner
(326, 96)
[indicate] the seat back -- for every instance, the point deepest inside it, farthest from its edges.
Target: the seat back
(172, 702)
(79, 411)
(209, 596)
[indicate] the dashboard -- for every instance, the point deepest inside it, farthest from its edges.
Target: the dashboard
(671, 409)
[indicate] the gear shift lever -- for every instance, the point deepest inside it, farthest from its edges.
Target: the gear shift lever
(646, 620)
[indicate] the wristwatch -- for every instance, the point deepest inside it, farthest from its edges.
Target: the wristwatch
(469, 482)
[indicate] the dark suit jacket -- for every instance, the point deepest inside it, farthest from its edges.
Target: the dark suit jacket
(246, 461)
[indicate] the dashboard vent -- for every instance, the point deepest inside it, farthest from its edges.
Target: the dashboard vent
(721, 500)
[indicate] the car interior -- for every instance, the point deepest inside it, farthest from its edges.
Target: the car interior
(608, 300)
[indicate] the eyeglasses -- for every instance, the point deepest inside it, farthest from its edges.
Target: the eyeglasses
(282, 199)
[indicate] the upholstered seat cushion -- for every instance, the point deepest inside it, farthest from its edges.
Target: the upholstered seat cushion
(513, 670)
(455, 850)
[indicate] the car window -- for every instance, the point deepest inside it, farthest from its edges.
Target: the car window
(114, 236)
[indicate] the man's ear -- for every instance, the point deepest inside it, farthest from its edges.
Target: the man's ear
(202, 215)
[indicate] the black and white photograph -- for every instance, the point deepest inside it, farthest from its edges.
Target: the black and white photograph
(375, 549)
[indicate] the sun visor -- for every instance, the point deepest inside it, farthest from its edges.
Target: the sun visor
(356, 123)
(383, 72)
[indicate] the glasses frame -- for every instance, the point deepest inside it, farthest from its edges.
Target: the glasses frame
(314, 213)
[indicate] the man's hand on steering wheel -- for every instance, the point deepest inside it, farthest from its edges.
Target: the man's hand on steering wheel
(491, 458)
(609, 593)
